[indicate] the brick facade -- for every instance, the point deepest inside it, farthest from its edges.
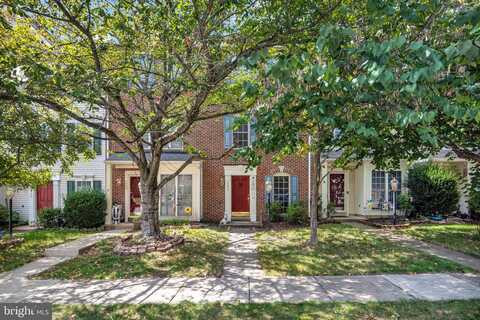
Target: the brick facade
(208, 136)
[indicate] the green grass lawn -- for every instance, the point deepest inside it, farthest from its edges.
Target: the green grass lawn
(342, 250)
(200, 256)
(32, 248)
(421, 310)
(460, 237)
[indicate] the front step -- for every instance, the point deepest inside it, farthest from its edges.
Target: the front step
(240, 218)
(243, 224)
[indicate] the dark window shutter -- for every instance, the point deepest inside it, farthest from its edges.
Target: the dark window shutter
(97, 185)
(253, 135)
(228, 131)
(70, 187)
(293, 189)
(97, 142)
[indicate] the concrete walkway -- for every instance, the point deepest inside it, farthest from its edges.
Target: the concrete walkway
(243, 281)
(429, 248)
(241, 259)
(57, 254)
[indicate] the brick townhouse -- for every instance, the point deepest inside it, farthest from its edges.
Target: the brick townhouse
(210, 190)
(216, 190)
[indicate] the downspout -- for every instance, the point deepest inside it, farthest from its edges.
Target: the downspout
(309, 177)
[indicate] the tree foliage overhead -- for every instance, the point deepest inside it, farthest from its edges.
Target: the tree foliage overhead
(385, 80)
(390, 80)
(129, 68)
(32, 141)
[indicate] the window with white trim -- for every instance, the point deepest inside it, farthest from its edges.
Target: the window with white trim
(241, 136)
(76, 185)
(382, 193)
(281, 191)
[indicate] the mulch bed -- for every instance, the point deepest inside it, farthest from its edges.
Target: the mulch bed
(388, 223)
(7, 243)
(135, 245)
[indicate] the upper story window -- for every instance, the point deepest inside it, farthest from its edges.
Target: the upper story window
(382, 194)
(176, 144)
(97, 142)
(237, 137)
(241, 136)
(96, 138)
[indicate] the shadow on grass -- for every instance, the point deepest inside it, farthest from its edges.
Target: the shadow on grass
(398, 310)
(35, 243)
(200, 256)
(459, 237)
(343, 250)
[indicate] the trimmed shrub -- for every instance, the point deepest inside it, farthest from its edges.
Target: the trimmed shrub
(51, 218)
(276, 212)
(474, 193)
(405, 205)
(85, 209)
(434, 189)
(4, 215)
(297, 214)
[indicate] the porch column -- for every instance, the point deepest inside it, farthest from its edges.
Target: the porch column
(228, 198)
(325, 184)
(108, 192)
(253, 198)
(57, 192)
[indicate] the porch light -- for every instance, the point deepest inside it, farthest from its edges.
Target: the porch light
(9, 193)
(394, 184)
(268, 189)
(394, 187)
(268, 186)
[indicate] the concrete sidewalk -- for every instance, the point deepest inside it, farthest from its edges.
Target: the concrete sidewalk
(433, 287)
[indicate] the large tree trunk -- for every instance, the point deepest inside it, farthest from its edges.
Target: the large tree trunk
(150, 204)
(317, 203)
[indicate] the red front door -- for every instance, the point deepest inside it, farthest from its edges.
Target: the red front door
(134, 194)
(240, 194)
(337, 187)
(45, 196)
